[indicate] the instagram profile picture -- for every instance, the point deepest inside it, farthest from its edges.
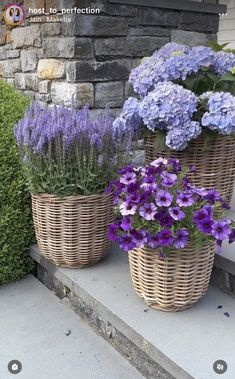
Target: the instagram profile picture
(14, 14)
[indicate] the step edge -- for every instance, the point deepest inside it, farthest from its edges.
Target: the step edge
(153, 352)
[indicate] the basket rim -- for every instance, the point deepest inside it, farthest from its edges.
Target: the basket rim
(45, 196)
(190, 246)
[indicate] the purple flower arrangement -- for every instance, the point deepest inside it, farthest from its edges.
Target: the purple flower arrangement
(66, 152)
(158, 207)
(183, 92)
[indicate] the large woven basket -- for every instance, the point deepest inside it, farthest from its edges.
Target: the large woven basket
(215, 163)
(72, 232)
(173, 283)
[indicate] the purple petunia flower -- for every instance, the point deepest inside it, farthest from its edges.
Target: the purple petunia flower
(127, 209)
(126, 223)
(133, 197)
(205, 226)
(169, 180)
(212, 196)
(199, 191)
(176, 165)
(185, 199)
(176, 213)
(225, 205)
(209, 209)
(139, 238)
(201, 215)
(128, 178)
(113, 232)
(148, 211)
(161, 218)
(127, 169)
(221, 229)
(165, 237)
(193, 169)
(181, 239)
(164, 198)
(153, 241)
(126, 242)
(149, 183)
(133, 187)
(159, 162)
(164, 218)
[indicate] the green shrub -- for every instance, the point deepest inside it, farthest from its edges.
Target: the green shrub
(16, 230)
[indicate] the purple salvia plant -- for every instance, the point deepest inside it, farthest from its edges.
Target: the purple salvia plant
(67, 152)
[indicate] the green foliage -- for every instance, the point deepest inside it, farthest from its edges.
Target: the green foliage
(16, 230)
(206, 80)
(216, 46)
(221, 47)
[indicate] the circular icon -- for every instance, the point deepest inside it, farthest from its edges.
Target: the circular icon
(14, 367)
(220, 366)
(14, 14)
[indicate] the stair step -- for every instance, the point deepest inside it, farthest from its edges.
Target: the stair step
(50, 340)
(179, 345)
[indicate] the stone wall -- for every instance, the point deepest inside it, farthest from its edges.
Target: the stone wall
(90, 57)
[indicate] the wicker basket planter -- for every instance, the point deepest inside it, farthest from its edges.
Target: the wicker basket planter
(173, 283)
(72, 232)
(215, 164)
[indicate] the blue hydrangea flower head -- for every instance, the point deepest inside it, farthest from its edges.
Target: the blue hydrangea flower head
(223, 62)
(221, 113)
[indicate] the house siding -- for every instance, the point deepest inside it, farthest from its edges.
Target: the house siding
(227, 24)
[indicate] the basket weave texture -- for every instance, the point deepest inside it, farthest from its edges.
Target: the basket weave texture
(173, 283)
(72, 232)
(215, 164)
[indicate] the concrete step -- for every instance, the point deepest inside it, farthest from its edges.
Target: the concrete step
(50, 340)
(162, 345)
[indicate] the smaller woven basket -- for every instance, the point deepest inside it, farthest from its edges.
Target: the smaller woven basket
(72, 231)
(215, 164)
(173, 283)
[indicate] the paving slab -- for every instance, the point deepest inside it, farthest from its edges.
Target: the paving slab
(50, 340)
(186, 343)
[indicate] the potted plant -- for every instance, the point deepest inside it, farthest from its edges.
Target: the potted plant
(186, 110)
(68, 159)
(170, 228)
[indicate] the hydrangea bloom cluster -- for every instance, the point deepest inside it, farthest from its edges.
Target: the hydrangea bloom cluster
(168, 107)
(221, 113)
(65, 151)
(177, 62)
(224, 62)
(158, 207)
(171, 49)
(129, 119)
(146, 75)
(172, 97)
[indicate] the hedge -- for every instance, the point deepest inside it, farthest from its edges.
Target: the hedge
(16, 230)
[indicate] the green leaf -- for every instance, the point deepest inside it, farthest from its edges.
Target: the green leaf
(216, 46)
(212, 76)
(160, 141)
(189, 82)
(227, 77)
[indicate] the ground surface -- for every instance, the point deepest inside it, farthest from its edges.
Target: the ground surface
(186, 343)
(50, 340)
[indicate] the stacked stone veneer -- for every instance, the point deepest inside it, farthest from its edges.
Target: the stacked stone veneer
(90, 58)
